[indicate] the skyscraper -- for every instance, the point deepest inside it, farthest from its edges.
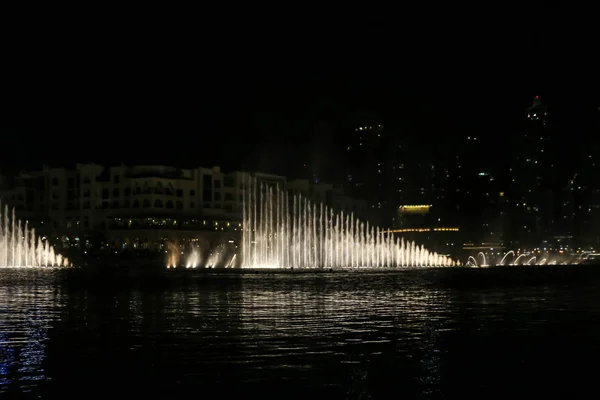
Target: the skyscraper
(584, 191)
(533, 179)
(371, 165)
(538, 112)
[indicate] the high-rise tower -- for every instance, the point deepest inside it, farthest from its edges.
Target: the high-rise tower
(538, 112)
(533, 179)
(371, 161)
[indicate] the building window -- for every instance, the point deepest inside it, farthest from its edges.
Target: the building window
(207, 188)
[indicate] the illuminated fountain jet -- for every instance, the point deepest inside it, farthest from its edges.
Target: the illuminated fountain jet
(472, 261)
(516, 262)
(484, 264)
(20, 247)
(231, 262)
(528, 259)
(173, 253)
(193, 259)
(510, 252)
(289, 231)
(215, 257)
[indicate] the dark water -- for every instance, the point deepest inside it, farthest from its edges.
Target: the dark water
(453, 333)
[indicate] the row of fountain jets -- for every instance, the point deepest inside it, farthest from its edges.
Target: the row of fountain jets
(524, 259)
(194, 260)
(21, 247)
(280, 230)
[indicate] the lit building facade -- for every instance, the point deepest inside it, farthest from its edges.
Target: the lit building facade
(144, 206)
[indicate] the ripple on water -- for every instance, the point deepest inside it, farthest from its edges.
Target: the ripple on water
(410, 333)
(30, 305)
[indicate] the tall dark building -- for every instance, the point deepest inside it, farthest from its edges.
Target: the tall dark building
(581, 200)
(538, 112)
(474, 195)
(534, 184)
(371, 159)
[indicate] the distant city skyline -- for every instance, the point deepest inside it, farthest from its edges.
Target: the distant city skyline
(254, 103)
(273, 139)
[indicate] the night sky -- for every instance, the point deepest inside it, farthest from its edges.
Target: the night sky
(271, 96)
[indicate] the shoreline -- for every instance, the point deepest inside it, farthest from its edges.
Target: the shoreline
(155, 271)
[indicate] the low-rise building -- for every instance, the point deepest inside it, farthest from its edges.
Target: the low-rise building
(144, 206)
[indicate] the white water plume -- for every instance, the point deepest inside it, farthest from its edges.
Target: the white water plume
(193, 259)
(282, 231)
(21, 247)
(231, 263)
(215, 257)
(172, 255)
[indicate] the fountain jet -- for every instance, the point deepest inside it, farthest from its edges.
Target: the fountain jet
(518, 258)
(484, 264)
(505, 255)
(193, 259)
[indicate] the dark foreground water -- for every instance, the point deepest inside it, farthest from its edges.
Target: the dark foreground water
(448, 333)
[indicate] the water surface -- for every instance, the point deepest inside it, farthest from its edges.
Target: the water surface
(447, 333)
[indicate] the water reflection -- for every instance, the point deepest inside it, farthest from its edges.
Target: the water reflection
(429, 334)
(30, 301)
(360, 330)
